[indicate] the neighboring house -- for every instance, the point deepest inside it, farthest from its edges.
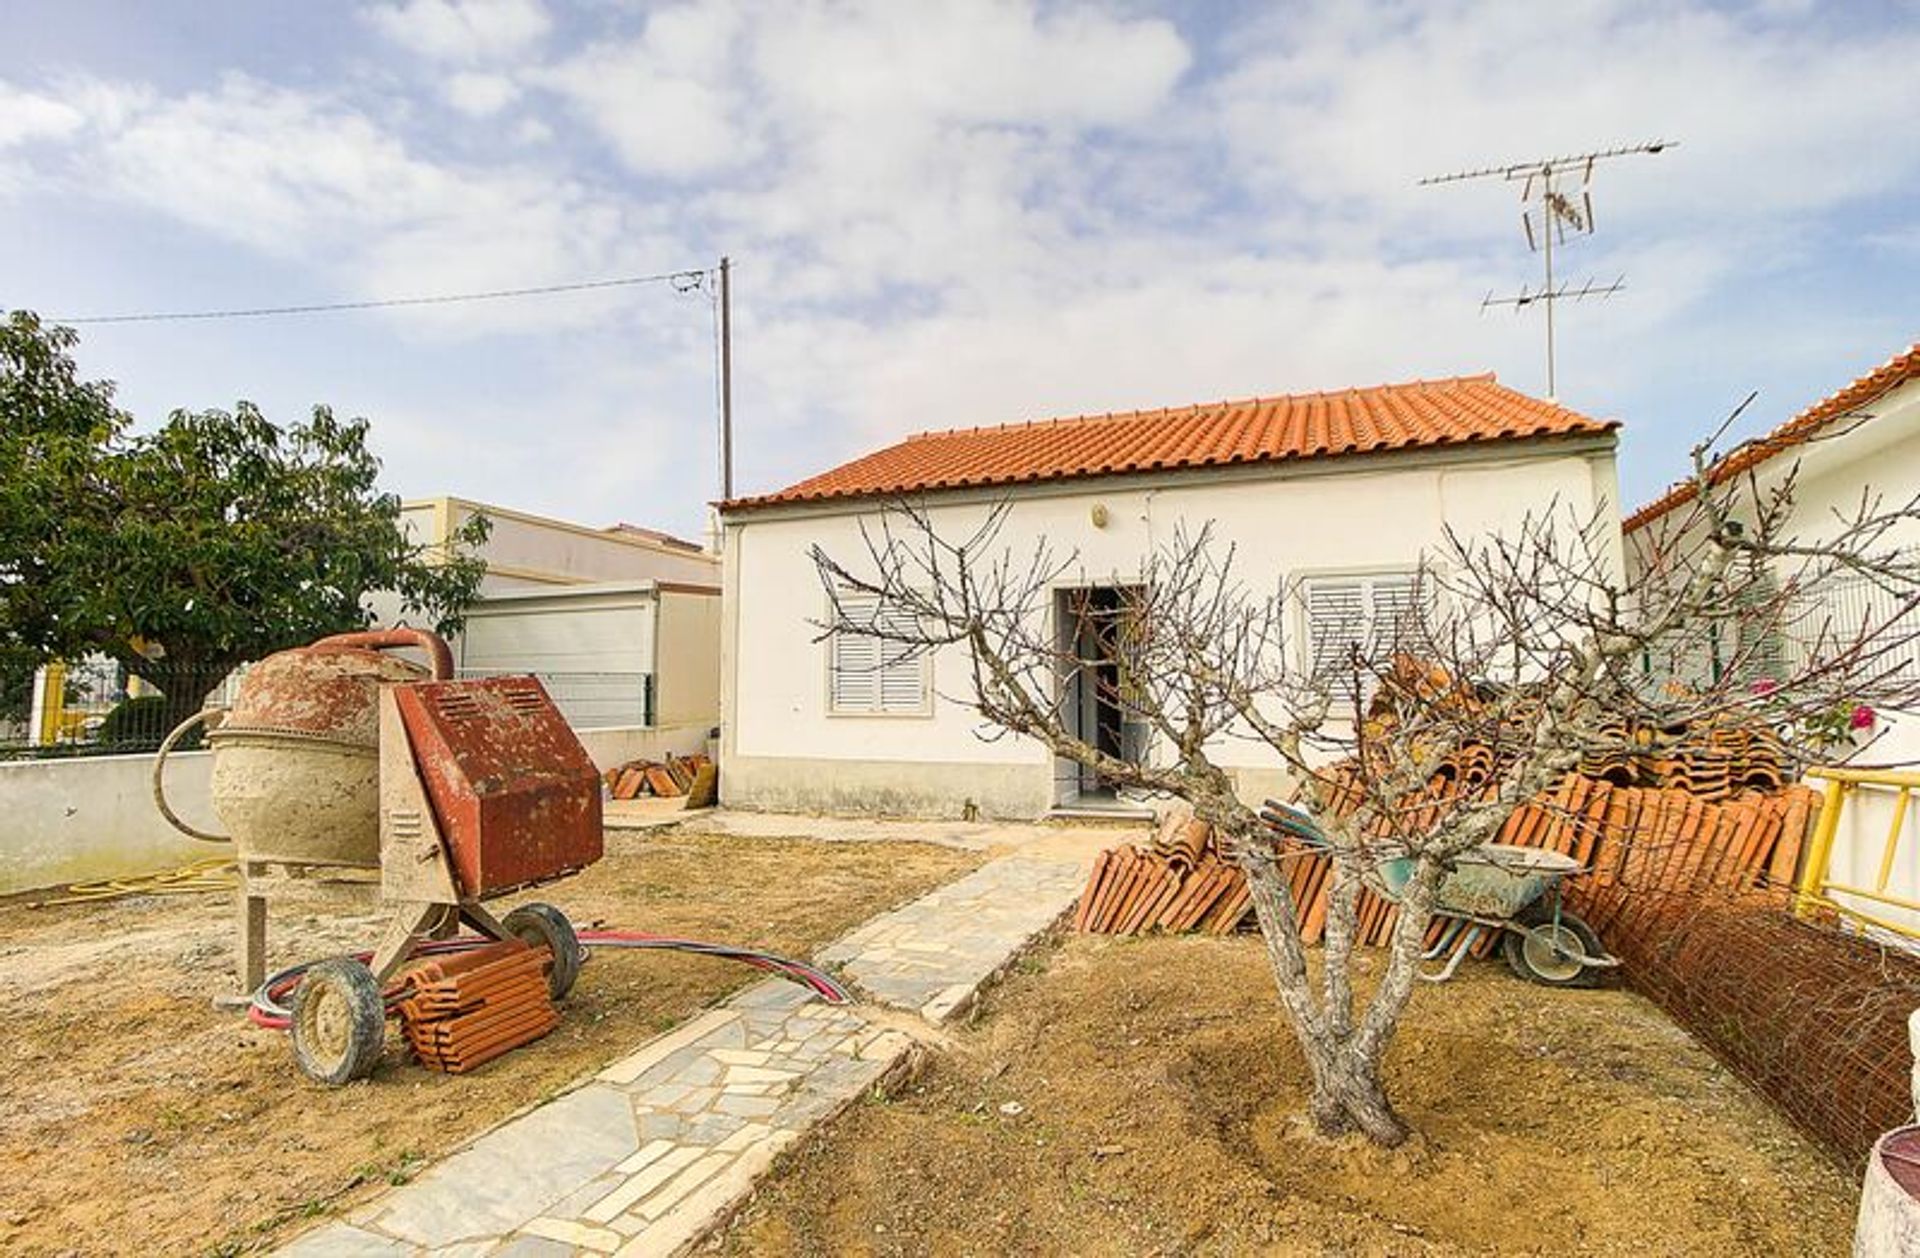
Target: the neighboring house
(621, 623)
(1343, 491)
(1861, 441)
(526, 551)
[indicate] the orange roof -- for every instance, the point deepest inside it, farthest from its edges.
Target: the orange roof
(1466, 410)
(1799, 430)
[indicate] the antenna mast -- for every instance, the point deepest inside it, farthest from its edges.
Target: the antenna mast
(1550, 221)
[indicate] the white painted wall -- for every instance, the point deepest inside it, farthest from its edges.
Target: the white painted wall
(1300, 520)
(92, 818)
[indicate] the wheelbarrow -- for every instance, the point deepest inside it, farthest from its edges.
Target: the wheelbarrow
(1512, 891)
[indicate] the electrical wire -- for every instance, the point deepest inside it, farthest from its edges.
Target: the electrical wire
(265, 1009)
(685, 281)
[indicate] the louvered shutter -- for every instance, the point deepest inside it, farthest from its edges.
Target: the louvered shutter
(902, 683)
(876, 675)
(1391, 615)
(1336, 619)
(1377, 613)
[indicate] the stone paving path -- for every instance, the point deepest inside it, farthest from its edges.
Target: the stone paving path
(654, 1151)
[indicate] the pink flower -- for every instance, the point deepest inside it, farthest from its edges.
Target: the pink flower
(1863, 718)
(1764, 686)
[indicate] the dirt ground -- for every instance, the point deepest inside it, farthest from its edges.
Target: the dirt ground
(1139, 1097)
(138, 1116)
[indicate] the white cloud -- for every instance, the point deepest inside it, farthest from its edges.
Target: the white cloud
(665, 100)
(28, 116)
(961, 212)
(481, 95)
(968, 61)
(463, 30)
(1346, 106)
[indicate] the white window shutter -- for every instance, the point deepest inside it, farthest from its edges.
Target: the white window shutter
(1392, 614)
(876, 675)
(1336, 619)
(1377, 613)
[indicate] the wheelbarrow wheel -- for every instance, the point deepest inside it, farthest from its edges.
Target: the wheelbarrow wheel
(547, 927)
(339, 1022)
(1544, 950)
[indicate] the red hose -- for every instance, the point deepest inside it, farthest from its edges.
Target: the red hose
(266, 1012)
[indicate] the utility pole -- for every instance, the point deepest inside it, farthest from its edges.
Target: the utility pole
(726, 379)
(1558, 214)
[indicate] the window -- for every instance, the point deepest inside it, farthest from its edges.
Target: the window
(873, 676)
(1374, 612)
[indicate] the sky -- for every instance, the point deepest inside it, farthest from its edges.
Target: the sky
(941, 213)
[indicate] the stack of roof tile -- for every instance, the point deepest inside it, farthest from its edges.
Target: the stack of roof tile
(1709, 760)
(1648, 850)
(1177, 881)
(669, 778)
(463, 1010)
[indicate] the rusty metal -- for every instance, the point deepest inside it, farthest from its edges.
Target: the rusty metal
(295, 762)
(515, 795)
(1812, 1017)
(387, 639)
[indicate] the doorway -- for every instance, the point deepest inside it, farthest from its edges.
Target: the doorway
(1090, 627)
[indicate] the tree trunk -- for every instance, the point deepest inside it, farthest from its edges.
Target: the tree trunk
(1349, 1096)
(1344, 1058)
(1347, 1092)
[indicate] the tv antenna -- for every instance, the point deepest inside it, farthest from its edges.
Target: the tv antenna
(1549, 215)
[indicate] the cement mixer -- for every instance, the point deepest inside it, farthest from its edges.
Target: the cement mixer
(341, 762)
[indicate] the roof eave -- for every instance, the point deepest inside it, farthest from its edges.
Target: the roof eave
(1600, 433)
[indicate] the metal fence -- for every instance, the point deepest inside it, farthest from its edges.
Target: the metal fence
(95, 707)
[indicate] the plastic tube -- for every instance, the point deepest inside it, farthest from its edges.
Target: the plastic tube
(265, 1009)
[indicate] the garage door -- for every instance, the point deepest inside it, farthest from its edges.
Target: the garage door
(593, 657)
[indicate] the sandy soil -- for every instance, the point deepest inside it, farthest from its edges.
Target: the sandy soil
(1139, 1097)
(137, 1116)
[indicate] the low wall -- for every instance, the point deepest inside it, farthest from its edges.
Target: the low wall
(610, 747)
(92, 818)
(87, 819)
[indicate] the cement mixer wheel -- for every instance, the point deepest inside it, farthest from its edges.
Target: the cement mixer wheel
(339, 1022)
(547, 927)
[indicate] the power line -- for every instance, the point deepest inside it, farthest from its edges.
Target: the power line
(683, 281)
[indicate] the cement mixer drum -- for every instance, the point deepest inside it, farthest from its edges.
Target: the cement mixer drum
(296, 763)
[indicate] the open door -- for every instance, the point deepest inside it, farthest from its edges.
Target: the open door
(1091, 624)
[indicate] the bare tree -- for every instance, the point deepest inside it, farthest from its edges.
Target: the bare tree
(1528, 649)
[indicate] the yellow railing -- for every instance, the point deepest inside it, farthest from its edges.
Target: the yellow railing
(1818, 890)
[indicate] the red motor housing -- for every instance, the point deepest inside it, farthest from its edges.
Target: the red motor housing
(516, 796)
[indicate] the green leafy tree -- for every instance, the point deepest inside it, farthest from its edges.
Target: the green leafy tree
(185, 552)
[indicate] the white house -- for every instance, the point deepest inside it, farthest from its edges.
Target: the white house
(1863, 439)
(1342, 490)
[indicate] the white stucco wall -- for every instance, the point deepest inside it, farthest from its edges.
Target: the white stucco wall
(93, 818)
(783, 748)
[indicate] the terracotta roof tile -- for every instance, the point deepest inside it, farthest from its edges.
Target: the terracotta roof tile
(1797, 431)
(1422, 414)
